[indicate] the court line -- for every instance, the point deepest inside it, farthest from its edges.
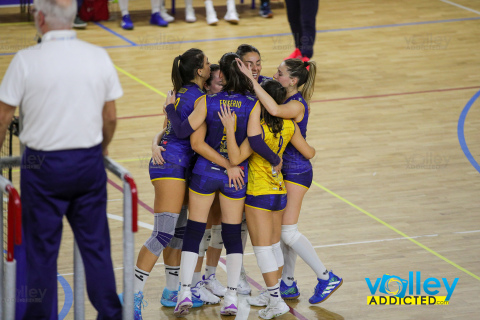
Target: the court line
(140, 202)
(461, 131)
(460, 6)
(68, 302)
(133, 44)
(140, 81)
(285, 34)
(143, 116)
(398, 231)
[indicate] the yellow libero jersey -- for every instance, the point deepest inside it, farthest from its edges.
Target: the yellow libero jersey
(261, 179)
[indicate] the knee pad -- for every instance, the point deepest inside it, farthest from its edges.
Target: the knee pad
(177, 240)
(232, 237)
(204, 244)
(290, 234)
(163, 230)
(193, 236)
(216, 240)
(277, 251)
(265, 258)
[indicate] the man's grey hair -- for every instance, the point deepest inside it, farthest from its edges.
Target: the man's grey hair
(59, 14)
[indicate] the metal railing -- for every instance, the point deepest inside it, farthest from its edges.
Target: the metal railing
(8, 276)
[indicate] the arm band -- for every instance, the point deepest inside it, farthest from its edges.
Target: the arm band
(182, 129)
(259, 146)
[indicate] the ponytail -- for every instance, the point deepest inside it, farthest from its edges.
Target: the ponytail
(306, 77)
(185, 67)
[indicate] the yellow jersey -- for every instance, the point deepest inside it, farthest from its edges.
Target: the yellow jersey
(262, 179)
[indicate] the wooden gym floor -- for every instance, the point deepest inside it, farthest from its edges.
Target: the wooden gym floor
(392, 121)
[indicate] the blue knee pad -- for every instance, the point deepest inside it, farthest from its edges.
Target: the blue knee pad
(232, 237)
(193, 236)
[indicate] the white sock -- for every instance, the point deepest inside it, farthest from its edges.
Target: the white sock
(141, 277)
(305, 250)
(234, 262)
(289, 259)
(123, 4)
(171, 277)
(197, 277)
(274, 291)
(209, 271)
(155, 6)
(231, 5)
(187, 269)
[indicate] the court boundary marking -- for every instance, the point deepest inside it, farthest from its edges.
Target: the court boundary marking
(461, 131)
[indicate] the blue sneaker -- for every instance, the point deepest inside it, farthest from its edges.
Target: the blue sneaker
(127, 23)
(138, 303)
(169, 299)
(289, 292)
(325, 288)
(156, 19)
(265, 10)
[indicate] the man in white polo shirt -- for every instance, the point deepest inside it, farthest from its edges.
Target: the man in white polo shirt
(67, 90)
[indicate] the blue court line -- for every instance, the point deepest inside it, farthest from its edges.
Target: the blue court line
(67, 304)
(115, 33)
(461, 133)
(284, 34)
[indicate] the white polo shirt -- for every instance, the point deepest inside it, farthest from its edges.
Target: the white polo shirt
(62, 85)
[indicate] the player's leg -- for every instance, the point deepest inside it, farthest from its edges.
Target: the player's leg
(189, 11)
(308, 10)
(231, 15)
(164, 14)
(126, 22)
(243, 285)
(265, 10)
(156, 18)
(211, 14)
(294, 19)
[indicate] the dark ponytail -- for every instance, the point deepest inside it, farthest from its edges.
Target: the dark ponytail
(234, 79)
(185, 67)
(298, 69)
(278, 93)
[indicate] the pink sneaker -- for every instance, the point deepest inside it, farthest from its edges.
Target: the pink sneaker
(295, 55)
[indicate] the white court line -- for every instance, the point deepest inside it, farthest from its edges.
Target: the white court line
(473, 231)
(460, 6)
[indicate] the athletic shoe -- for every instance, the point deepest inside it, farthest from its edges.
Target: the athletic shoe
(190, 14)
(232, 17)
(157, 20)
(138, 303)
(325, 288)
(295, 55)
(211, 14)
(214, 286)
(265, 11)
(289, 292)
(276, 307)
(243, 285)
(200, 292)
(184, 303)
(79, 23)
(305, 59)
(259, 301)
(230, 302)
(169, 299)
(127, 23)
(164, 14)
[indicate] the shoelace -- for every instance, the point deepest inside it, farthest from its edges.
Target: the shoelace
(141, 304)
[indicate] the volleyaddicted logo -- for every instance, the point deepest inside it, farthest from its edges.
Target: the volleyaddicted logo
(396, 290)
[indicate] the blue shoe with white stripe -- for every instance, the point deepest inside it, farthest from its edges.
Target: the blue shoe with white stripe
(169, 299)
(325, 288)
(126, 23)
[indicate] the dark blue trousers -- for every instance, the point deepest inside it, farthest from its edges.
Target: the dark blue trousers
(69, 183)
(301, 16)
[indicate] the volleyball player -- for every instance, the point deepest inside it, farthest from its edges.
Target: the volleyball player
(297, 172)
(266, 195)
(252, 58)
(189, 72)
(209, 176)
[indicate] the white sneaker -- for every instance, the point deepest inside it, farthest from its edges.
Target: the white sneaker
(275, 308)
(214, 286)
(243, 285)
(184, 303)
(164, 14)
(190, 14)
(200, 292)
(259, 301)
(230, 303)
(232, 17)
(211, 14)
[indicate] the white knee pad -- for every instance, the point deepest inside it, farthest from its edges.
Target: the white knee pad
(290, 234)
(216, 239)
(265, 259)
(204, 244)
(277, 251)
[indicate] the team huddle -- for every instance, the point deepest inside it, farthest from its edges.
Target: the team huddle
(232, 152)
